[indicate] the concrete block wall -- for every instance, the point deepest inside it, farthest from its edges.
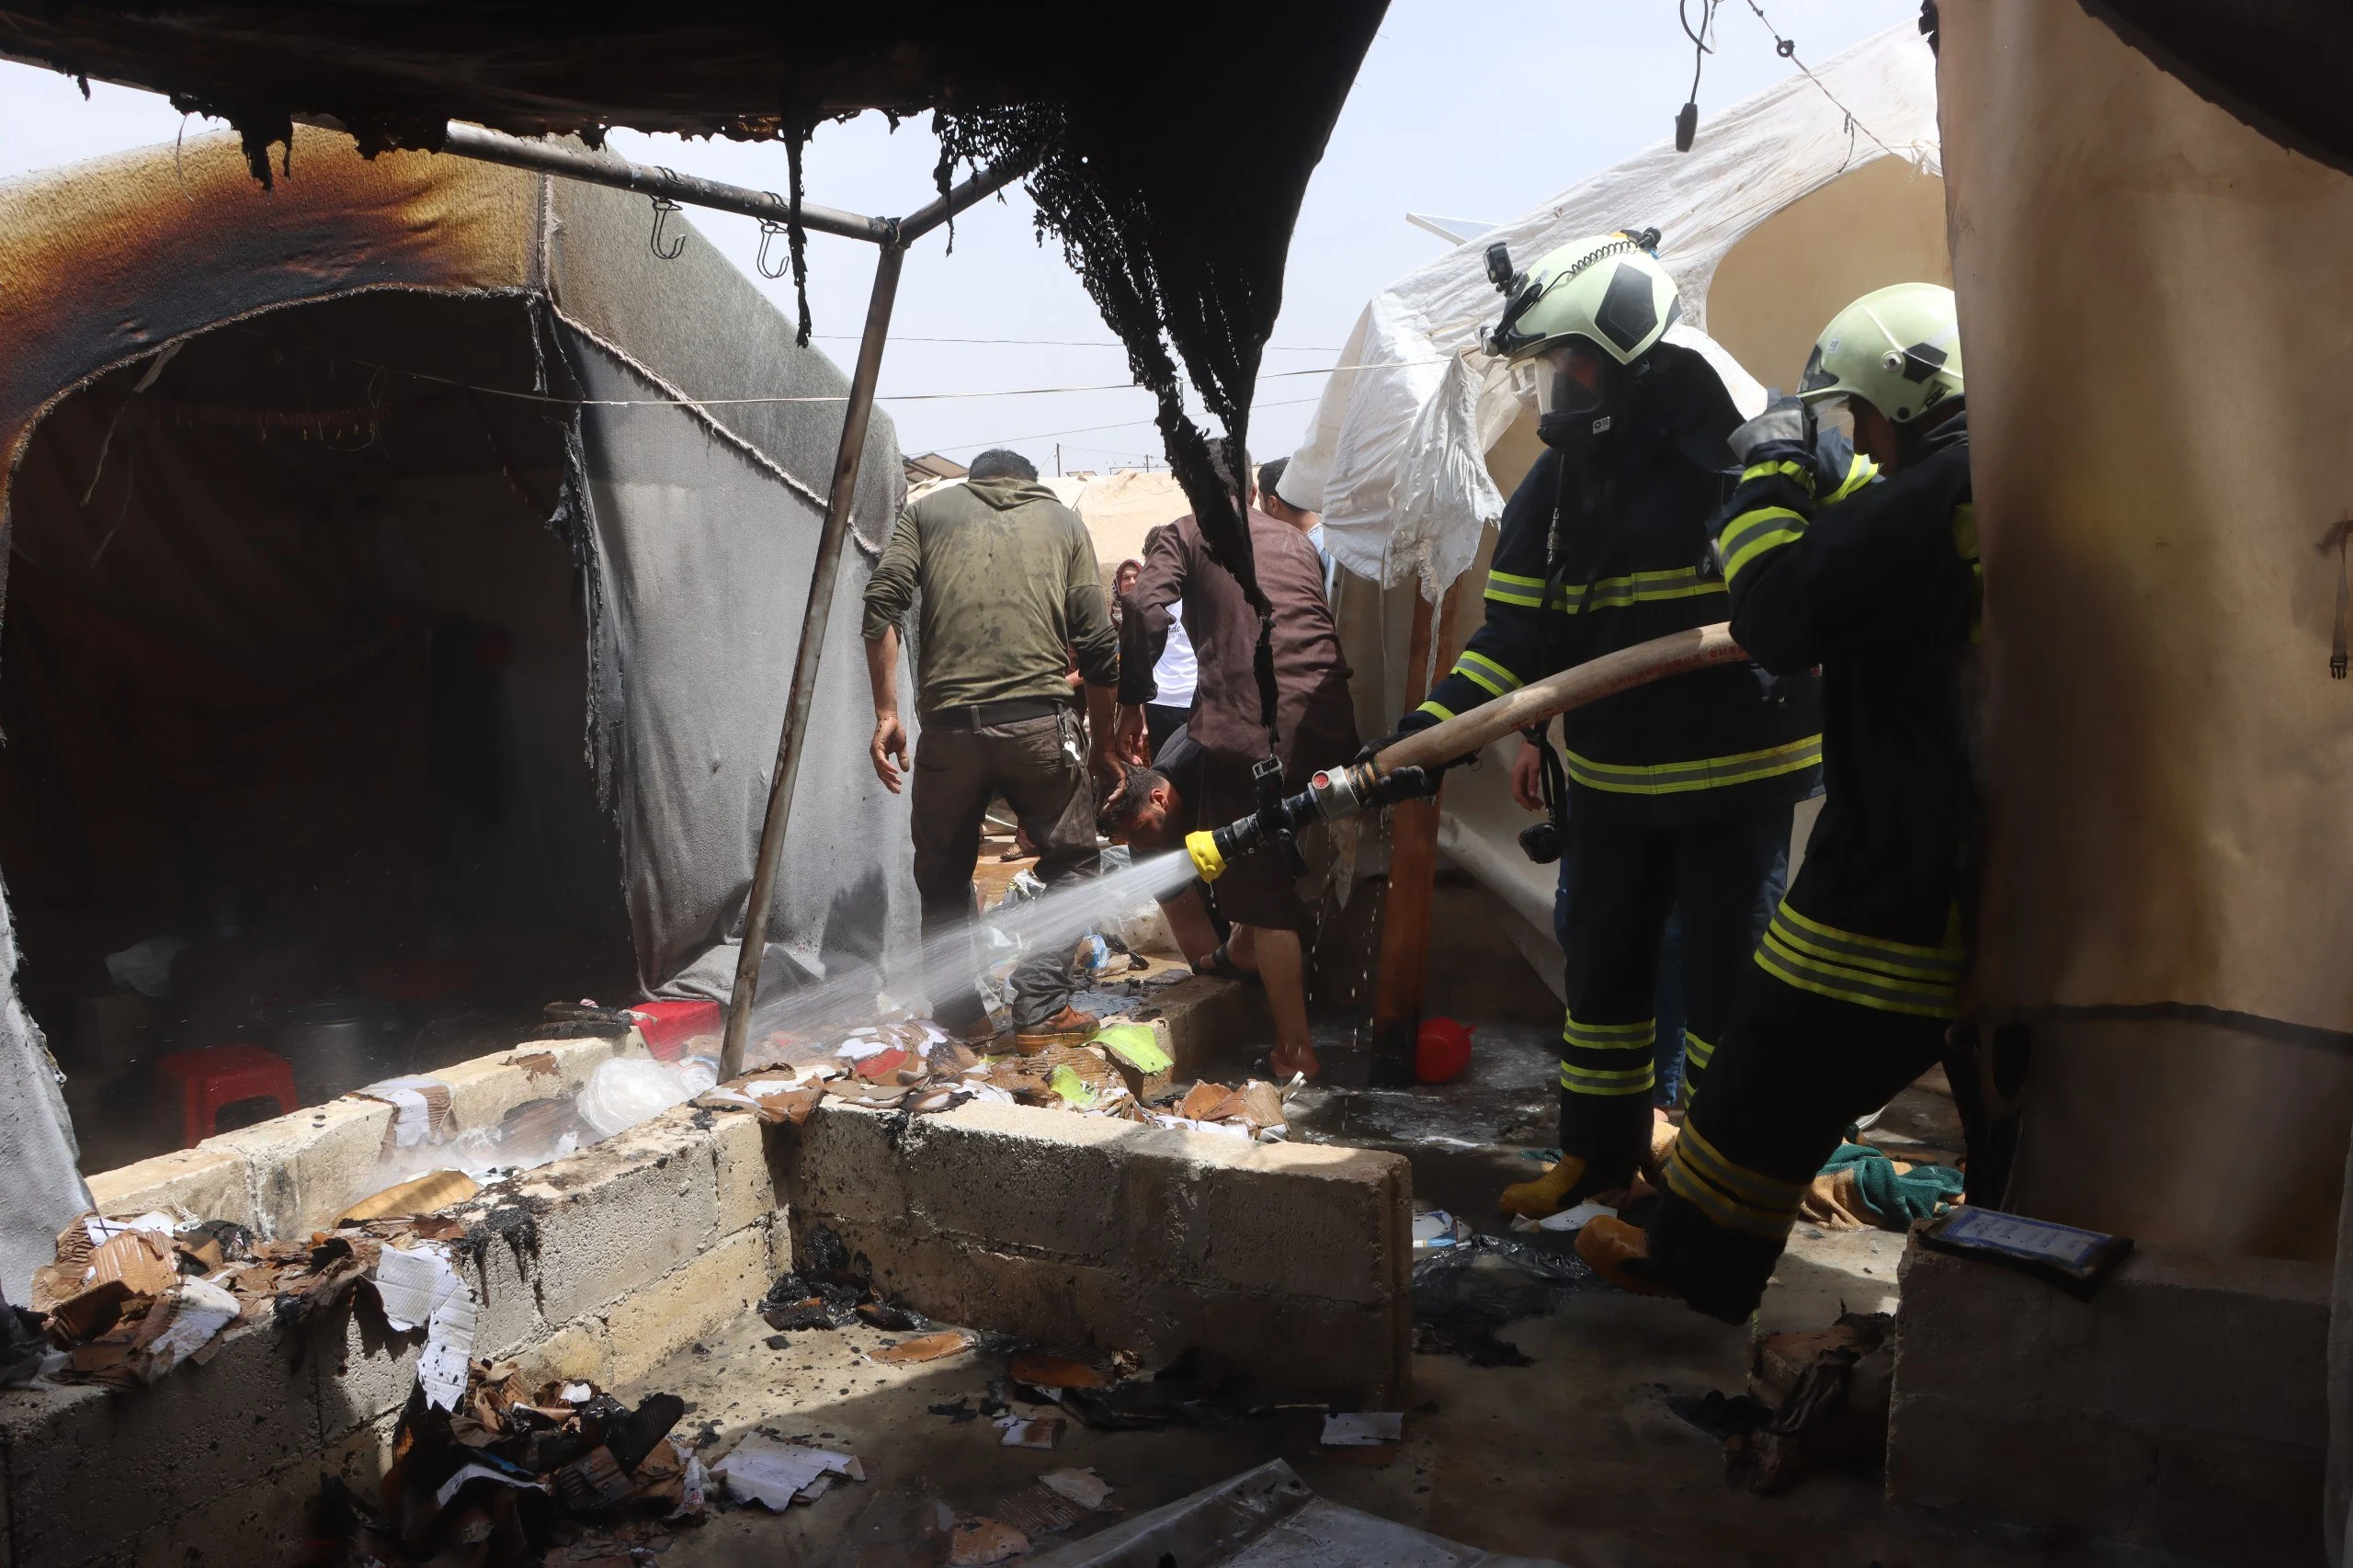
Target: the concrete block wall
(296, 1173)
(2182, 1408)
(1292, 1260)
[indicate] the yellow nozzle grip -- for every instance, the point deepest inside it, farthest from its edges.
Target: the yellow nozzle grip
(1206, 859)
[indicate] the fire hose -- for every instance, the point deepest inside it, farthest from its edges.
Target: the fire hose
(1412, 765)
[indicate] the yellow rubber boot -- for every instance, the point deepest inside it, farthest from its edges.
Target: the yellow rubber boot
(1620, 1253)
(1548, 1194)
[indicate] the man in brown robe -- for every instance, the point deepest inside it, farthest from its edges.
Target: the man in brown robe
(1315, 728)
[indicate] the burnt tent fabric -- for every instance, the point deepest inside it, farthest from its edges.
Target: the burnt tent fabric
(338, 606)
(1180, 238)
(2279, 65)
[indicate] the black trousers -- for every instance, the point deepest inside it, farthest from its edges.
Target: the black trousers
(1620, 879)
(1794, 1070)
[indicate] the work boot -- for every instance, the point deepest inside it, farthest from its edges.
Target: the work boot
(1561, 1186)
(1069, 1027)
(1620, 1253)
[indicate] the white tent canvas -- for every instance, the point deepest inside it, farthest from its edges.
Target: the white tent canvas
(1396, 459)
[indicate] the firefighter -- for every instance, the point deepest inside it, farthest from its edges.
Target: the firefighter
(1679, 794)
(1857, 978)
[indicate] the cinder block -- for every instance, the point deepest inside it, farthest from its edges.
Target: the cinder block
(269, 1520)
(89, 1471)
(847, 1161)
(505, 1271)
(579, 1349)
(207, 1181)
(1295, 1221)
(1208, 1021)
(362, 1369)
(751, 1165)
(484, 1090)
(1010, 1176)
(1991, 1460)
(307, 1167)
(611, 1218)
(649, 1324)
(2186, 1398)
(2241, 1342)
(1309, 1347)
(2274, 1489)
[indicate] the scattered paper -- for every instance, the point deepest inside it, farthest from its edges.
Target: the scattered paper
(773, 1475)
(1435, 1229)
(1363, 1428)
(420, 1108)
(449, 1350)
(925, 1348)
(976, 1543)
(413, 1282)
(484, 1473)
(1567, 1219)
(1082, 1487)
(104, 1231)
(1057, 1373)
(1020, 1433)
(417, 1285)
(577, 1394)
(182, 1323)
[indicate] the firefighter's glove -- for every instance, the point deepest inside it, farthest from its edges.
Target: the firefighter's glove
(1783, 433)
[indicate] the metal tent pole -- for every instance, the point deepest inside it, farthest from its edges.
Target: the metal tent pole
(814, 620)
(892, 235)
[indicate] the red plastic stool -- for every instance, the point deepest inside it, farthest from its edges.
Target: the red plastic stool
(223, 1075)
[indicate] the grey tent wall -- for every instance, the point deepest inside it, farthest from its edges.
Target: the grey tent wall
(42, 1187)
(704, 528)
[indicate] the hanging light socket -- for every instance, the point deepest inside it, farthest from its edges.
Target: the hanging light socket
(1687, 123)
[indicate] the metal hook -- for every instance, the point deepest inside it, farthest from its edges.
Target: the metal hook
(663, 208)
(769, 230)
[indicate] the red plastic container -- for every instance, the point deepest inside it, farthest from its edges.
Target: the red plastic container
(669, 1026)
(1441, 1050)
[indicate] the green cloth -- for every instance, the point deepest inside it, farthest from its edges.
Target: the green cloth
(1009, 587)
(1897, 1199)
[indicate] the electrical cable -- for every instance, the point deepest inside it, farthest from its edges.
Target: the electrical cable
(1687, 119)
(1787, 48)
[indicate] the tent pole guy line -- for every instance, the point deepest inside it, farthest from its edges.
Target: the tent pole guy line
(892, 236)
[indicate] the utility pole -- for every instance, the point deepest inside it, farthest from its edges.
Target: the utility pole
(1058, 460)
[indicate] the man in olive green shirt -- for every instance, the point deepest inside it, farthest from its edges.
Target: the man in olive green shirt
(1005, 588)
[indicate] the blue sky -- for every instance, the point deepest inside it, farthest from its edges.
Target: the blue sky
(1465, 109)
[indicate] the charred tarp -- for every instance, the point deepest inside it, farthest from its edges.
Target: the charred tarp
(1168, 147)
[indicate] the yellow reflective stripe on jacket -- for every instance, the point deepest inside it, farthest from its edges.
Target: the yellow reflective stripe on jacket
(1731, 1195)
(1437, 709)
(1641, 587)
(1859, 472)
(1511, 588)
(1870, 972)
(1483, 671)
(1703, 773)
(1752, 533)
(1791, 469)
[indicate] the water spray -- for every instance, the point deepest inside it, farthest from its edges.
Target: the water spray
(1413, 765)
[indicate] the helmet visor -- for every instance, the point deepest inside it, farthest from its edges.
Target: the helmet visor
(1571, 377)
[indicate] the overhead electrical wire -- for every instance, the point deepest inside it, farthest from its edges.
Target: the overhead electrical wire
(1787, 48)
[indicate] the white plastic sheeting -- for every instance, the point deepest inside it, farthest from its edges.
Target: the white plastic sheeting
(1396, 456)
